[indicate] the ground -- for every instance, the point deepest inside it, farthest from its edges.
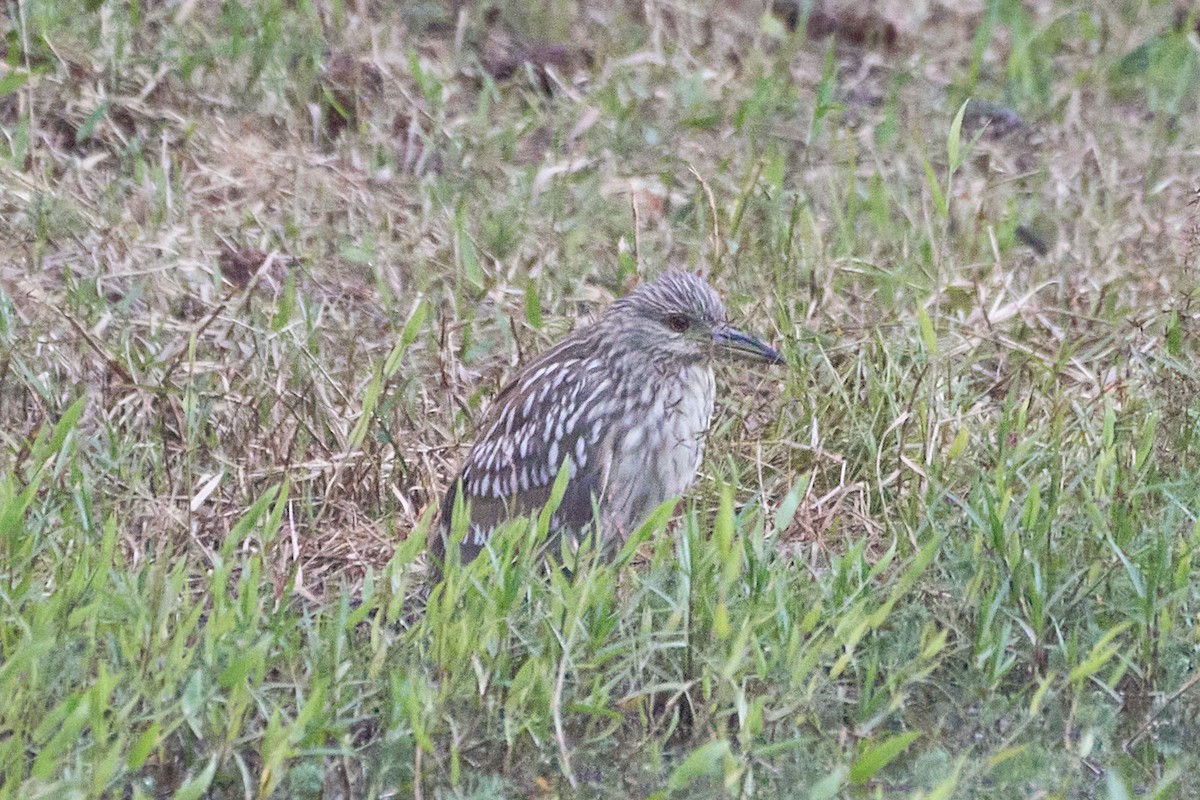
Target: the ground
(263, 265)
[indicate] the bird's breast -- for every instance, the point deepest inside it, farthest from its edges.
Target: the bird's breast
(660, 452)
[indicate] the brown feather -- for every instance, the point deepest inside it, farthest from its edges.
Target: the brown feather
(535, 424)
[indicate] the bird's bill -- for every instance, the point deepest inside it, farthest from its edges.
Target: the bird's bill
(743, 345)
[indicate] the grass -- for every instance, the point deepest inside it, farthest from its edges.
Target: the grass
(263, 264)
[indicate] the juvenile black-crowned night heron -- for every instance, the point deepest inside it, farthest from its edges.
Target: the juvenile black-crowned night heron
(624, 405)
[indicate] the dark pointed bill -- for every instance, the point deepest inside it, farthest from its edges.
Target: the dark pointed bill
(744, 345)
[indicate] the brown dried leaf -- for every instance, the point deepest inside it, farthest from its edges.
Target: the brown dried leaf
(350, 85)
(502, 62)
(238, 266)
(857, 27)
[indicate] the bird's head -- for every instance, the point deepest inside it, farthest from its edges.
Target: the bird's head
(680, 317)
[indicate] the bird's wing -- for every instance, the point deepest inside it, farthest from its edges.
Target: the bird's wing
(551, 412)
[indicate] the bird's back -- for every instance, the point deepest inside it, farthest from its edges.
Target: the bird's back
(550, 414)
(630, 432)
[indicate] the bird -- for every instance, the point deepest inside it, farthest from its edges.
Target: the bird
(623, 405)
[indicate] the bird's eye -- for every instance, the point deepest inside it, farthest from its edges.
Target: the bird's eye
(678, 323)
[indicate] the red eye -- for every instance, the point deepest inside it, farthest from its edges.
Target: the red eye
(678, 323)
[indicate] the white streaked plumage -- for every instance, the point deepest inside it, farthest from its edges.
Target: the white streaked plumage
(626, 403)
